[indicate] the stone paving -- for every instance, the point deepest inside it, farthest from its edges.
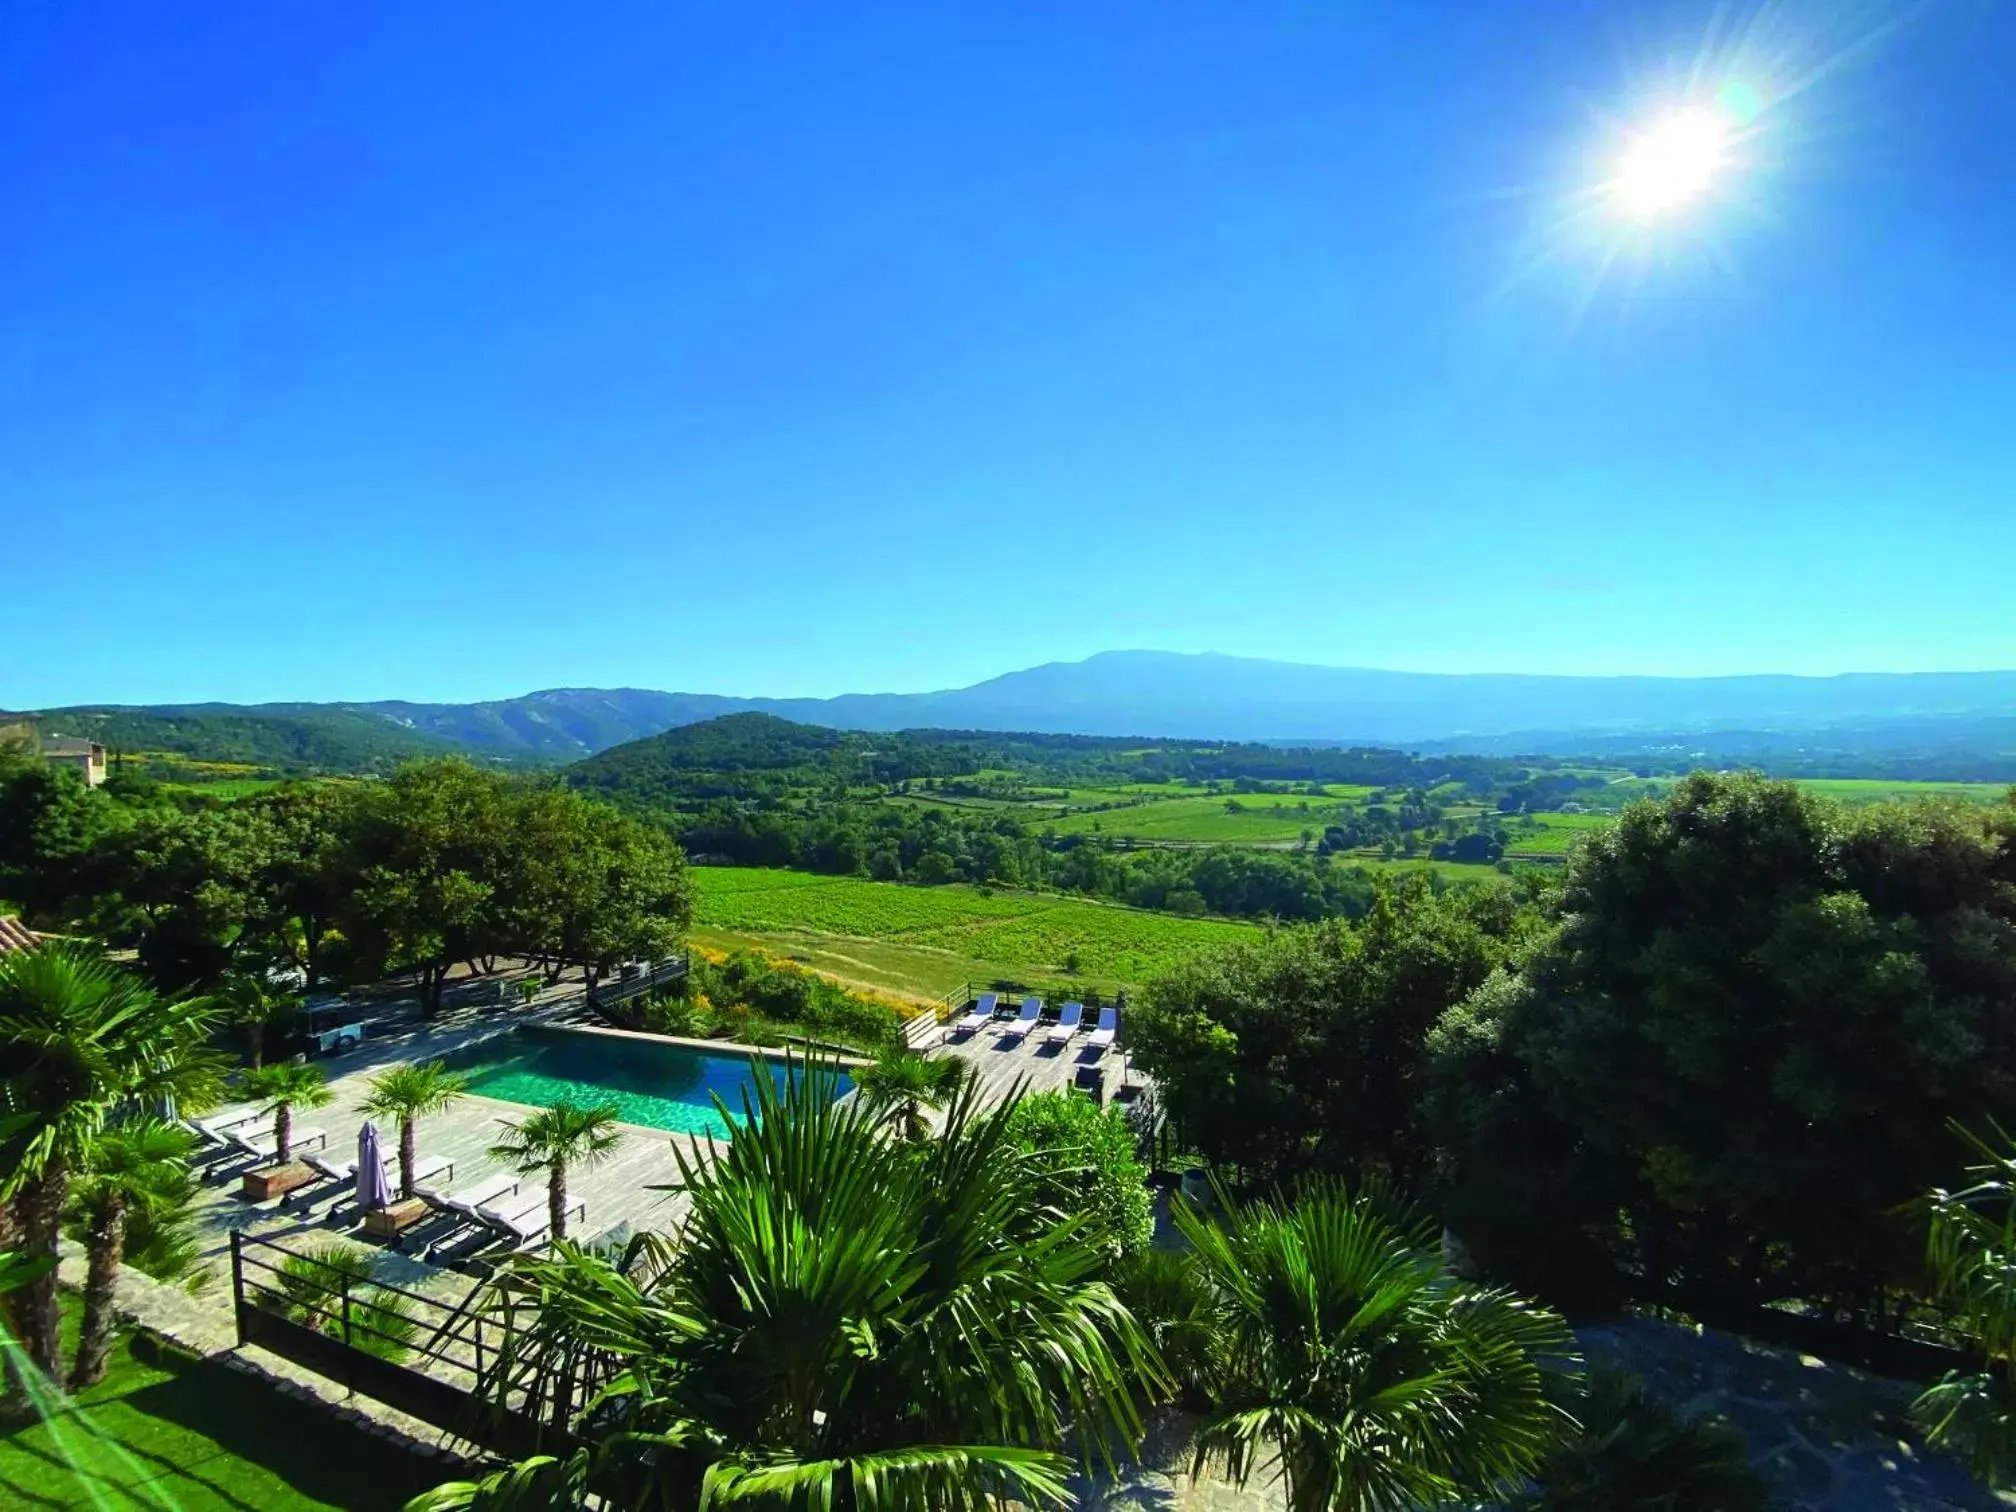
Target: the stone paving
(617, 1192)
(1830, 1438)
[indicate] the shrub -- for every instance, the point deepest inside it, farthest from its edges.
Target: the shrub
(748, 984)
(1634, 1453)
(1087, 1156)
(312, 1288)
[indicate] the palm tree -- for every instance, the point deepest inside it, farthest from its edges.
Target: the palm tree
(138, 1166)
(282, 1089)
(410, 1093)
(539, 1484)
(1347, 1351)
(81, 1042)
(252, 1002)
(844, 1319)
(1971, 1253)
(555, 1139)
(1634, 1453)
(906, 1088)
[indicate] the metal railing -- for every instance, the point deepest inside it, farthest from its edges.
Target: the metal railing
(436, 1361)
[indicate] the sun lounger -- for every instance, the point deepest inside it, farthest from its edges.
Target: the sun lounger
(470, 1203)
(1109, 1025)
(527, 1219)
(1023, 1022)
(262, 1145)
(330, 1169)
(220, 1123)
(1068, 1023)
(982, 1014)
(215, 1130)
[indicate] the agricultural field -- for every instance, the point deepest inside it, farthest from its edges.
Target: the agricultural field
(228, 788)
(926, 941)
(1261, 819)
(1875, 790)
(1556, 834)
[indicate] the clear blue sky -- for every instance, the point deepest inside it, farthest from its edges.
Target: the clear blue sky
(450, 350)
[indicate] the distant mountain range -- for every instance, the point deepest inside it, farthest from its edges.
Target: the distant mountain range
(1233, 698)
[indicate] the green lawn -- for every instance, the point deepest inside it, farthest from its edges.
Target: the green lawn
(168, 1432)
(925, 941)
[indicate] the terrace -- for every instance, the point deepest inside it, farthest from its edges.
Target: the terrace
(1003, 1061)
(440, 1261)
(615, 1192)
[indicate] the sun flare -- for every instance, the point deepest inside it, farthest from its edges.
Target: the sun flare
(1673, 162)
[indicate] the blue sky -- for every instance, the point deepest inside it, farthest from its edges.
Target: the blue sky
(450, 351)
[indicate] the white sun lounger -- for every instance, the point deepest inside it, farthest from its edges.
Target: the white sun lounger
(1109, 1025)
(1019, 1027)
(526, 1219)
(215, 1131)
(262, 1145)
(1068, 1023)
(469, 1204)
(217, 1125)
(330, 1169)
(982, 1014)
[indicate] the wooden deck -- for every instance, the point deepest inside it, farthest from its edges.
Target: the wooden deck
(1002, 1063)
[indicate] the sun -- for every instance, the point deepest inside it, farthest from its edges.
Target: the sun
(1673, 162)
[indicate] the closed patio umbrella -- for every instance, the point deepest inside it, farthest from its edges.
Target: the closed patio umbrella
(373, 1190)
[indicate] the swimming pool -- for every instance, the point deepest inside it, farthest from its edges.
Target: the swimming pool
(660, 1086)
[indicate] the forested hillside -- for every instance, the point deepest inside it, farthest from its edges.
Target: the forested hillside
(311, 741)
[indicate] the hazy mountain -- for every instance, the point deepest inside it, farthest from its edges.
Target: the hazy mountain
(1235, 698)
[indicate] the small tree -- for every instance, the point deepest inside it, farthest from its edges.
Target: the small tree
(1349, 1355)
(905, 1088)
(135, 1167)
(410, 1093)
(283, 1089)
(556, 1139)
(1087, 1158)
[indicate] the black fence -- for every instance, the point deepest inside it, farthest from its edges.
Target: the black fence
(435, 1361)
(624, 985)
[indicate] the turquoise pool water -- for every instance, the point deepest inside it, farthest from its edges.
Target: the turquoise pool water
(660, 1086)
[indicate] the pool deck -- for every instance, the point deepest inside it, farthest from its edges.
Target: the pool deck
(1001, 1064)
(617, 1191)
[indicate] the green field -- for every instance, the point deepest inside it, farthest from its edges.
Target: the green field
(167, 1432)
(1262, 819)
(1875, 790)
(926, 941)
(228, 787)
(1557, 833)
